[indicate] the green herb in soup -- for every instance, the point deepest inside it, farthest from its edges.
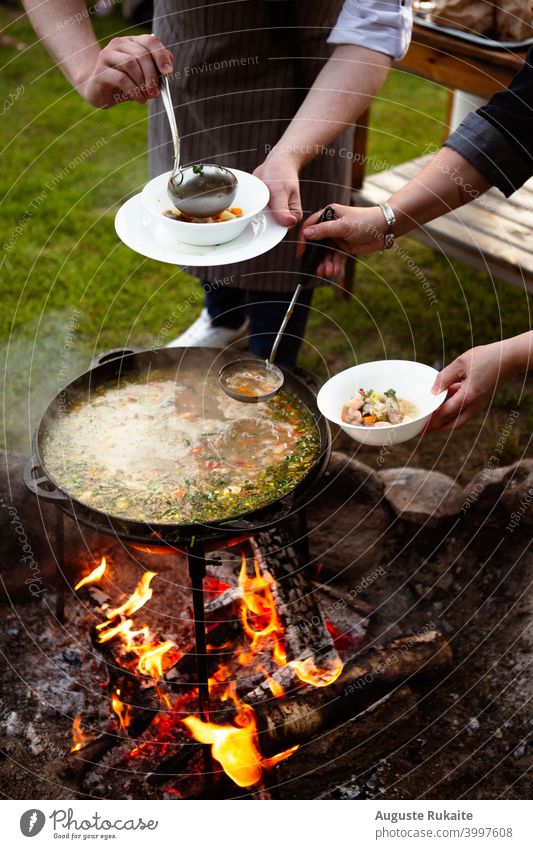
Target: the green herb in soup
(174, 450)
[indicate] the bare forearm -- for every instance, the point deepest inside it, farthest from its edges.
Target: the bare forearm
(65, 29)
(343, 90)
(446, 183)
(518, 352)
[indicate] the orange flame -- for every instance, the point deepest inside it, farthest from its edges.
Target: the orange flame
(275, 687)
(122, 710)
(95, 576)
(151, 658)
(141, 594)
(317, 676)
(258, 612)
(236, 746)
(79, 738)
(125, 631)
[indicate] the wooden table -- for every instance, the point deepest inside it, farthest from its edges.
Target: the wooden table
(491, 234)
(456, 63)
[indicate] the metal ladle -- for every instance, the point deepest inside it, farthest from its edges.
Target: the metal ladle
(251, 380)
(199, 191)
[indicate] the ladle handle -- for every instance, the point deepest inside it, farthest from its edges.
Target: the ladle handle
(308, 265)
(315, 251)
(164, 88)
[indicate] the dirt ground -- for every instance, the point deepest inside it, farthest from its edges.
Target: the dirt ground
(470, 579)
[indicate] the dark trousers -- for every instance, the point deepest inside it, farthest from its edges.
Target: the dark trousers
(229, 307)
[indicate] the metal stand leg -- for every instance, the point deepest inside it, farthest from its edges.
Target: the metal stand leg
(59, 555)
(196, 556)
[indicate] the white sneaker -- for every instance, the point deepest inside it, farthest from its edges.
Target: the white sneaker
(202, 334)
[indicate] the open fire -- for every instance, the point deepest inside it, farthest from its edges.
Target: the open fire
(278, 674)
(234, 743)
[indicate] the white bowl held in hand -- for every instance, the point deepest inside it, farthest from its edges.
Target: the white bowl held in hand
(252, 197)
(411, 382)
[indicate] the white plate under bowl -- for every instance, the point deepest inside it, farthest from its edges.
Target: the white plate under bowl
(411, 381)
(144, 234)
(252, 197)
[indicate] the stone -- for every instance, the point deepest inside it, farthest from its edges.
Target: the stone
(508, 485)
(350, 522)
(365, 482)
(422, 497)
(517, 497)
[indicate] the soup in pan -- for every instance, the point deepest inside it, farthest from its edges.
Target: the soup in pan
(174, 449)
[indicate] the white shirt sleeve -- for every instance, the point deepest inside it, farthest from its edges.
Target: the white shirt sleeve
(385, 27)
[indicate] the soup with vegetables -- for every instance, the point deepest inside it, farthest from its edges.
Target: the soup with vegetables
(378, 409)
(173, 449)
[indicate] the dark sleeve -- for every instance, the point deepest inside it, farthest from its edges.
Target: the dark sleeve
(498, 139)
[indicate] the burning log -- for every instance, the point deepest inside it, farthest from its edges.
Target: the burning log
(379, 726)
(293, 593)
(222, 603)
(355, 746)
(82, 760)
(310, 654)
(217, 637)
(246, 741)
(288, 722)
(137, 703)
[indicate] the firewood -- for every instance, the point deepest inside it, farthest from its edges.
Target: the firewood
(216, 636)
(283, 723)
(142, 698)
(352, 747)
(390, 719)
(296, 605)
(358, 692)
(80, 762)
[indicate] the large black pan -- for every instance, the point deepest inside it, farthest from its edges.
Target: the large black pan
(114, 364)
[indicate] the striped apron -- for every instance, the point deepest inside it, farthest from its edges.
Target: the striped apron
(241, 70)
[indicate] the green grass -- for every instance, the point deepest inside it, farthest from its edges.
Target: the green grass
(67, 255)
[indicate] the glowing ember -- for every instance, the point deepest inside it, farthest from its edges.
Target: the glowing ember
(122, 710)
(151, 658)
(317, 676)
(79, 738)
(235, 744)
(236, 747)
(95, 576)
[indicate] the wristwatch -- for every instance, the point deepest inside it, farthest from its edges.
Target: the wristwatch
(390, 218)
